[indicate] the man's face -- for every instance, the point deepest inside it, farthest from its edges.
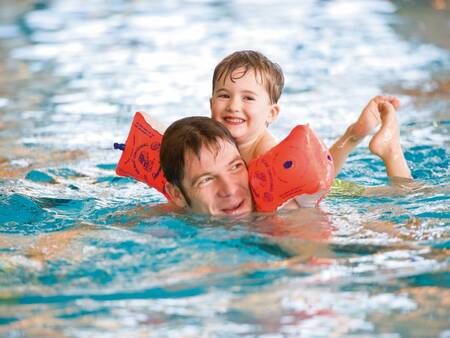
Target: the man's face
(217, 182)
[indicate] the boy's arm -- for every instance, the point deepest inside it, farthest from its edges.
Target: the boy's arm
(265, 144)
(158, 126)
(342, 148)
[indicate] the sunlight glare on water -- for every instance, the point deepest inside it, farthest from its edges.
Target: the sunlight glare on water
(81, 254)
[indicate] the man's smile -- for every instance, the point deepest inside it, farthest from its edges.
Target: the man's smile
(234, 208)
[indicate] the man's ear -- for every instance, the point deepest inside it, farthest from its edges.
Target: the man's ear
(176, 195)
(273, 114)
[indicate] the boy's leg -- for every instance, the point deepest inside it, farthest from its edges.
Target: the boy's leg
(386, 143)
(367, 121)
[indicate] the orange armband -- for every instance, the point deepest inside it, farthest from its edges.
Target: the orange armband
(140, 158)
(298, 167)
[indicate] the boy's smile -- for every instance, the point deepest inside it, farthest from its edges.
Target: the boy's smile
(242, 104)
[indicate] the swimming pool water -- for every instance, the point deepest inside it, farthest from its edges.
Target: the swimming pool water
(83, 255)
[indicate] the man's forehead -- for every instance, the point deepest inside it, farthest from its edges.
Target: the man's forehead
(221, 152)
(210, 151)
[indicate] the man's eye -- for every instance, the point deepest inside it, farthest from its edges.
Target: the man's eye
(224, 96)
(204, 180)
(237, 166)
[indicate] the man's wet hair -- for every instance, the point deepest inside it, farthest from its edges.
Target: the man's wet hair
(190, 134)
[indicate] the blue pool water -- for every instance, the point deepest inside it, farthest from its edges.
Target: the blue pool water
(82, 254)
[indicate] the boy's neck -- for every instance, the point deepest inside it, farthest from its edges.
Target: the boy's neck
(257, 146)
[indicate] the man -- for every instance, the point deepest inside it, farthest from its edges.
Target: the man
(203, 167)
(207, 175)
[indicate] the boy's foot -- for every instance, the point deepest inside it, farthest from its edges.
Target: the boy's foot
(370, 117)
(386, 141)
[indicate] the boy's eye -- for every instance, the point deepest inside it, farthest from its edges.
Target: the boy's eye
(249, 98)
(224, 96)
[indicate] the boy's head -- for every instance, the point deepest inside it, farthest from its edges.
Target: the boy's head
(246, 88)
(267, 72)
(205, 171)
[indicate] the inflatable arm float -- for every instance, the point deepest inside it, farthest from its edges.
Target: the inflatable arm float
(298, 167)
(140, 157)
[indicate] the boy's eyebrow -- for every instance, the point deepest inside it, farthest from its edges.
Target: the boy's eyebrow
(221, 89)
(245, 91)
(249, 92)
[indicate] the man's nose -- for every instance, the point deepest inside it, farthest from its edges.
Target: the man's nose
(227, 187)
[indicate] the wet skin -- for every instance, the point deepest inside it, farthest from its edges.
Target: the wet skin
(216, 182)
(243, 106)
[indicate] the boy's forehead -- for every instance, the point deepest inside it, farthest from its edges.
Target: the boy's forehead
(239, 72)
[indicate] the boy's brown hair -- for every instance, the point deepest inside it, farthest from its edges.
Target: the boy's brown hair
(189, 134)
(269, 73)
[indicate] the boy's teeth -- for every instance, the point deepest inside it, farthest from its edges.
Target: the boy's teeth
(234, 120)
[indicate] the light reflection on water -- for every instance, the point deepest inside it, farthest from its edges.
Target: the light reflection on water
(71, 78)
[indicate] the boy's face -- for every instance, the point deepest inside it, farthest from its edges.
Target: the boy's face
(243, 106)
(216, 183)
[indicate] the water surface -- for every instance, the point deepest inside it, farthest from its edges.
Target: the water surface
(81, 253)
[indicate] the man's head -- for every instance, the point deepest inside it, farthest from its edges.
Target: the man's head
(267, 72)
(205, 171)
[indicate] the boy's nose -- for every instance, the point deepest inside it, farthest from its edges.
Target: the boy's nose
(233, 105)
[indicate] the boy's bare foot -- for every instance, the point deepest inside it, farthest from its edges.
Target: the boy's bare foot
(370, 117)
(386, 140)
(368, 120)
(386, 143)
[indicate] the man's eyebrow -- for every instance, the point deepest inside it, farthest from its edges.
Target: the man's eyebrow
(196, 178)
(238, 158)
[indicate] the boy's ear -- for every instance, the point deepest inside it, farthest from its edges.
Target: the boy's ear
(274, 111)
(176, 195)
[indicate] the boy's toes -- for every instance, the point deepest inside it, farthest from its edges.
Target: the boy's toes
(395, 102)
(387, 98)
(386, 107)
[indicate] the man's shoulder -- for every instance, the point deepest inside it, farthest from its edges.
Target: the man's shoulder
(161, 209)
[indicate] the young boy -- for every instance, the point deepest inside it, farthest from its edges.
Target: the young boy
(246, 89)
